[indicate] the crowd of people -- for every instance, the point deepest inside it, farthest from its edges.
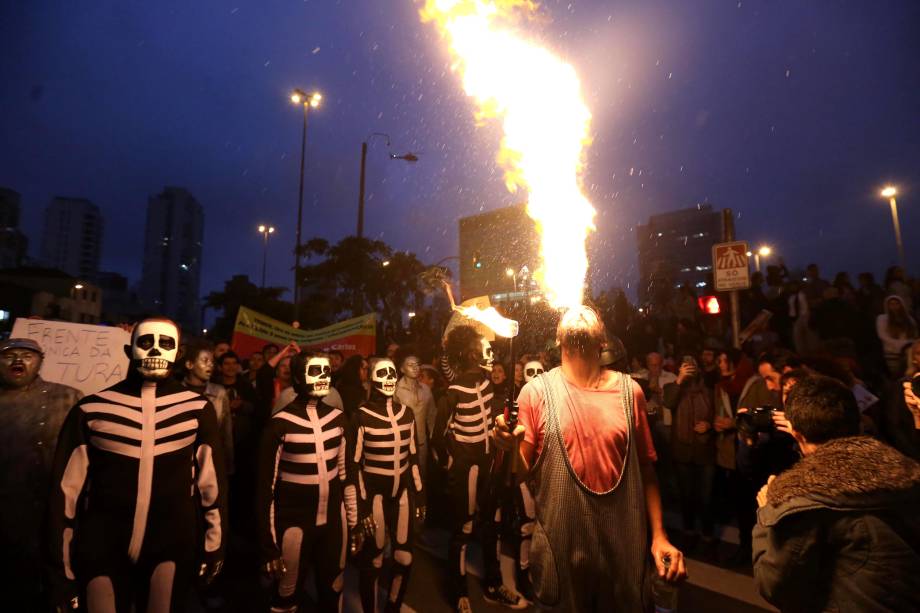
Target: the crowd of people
(802, 440)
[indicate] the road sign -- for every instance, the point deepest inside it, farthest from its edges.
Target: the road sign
(730, 263)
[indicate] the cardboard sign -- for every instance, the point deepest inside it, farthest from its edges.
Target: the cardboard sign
(730, 266)
(253, 331)
(89, 358)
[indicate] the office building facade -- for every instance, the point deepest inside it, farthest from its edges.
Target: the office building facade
(675, 248)
(172, 257)
(72, 237)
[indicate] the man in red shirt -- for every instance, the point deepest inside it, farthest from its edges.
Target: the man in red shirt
(588, 451)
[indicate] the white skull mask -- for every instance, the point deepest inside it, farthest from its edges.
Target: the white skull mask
(532, 369)
(317, 376)
(154, 348)
(384, 377)
(487, 359)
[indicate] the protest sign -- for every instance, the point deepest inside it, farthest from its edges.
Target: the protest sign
(89, 358)
(253, 330)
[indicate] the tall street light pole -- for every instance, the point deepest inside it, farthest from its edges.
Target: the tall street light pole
(298, 96)
(890, 192)
(265, 231)
(763, 252)
(407, 157)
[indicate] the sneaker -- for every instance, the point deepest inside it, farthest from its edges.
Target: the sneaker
(503, 596)
(463, 605)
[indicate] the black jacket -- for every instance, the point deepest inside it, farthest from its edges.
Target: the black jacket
(841, 531)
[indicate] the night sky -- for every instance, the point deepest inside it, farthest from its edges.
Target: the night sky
(794, 113)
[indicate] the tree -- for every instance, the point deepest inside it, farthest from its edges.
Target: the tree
(357, 276)
(240, 291)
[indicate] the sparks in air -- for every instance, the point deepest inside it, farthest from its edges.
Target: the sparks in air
(545, 122)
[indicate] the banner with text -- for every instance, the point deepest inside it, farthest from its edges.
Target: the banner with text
(253, 330)
(89, 358)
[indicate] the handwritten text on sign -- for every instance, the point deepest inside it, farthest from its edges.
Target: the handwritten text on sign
(89, 358)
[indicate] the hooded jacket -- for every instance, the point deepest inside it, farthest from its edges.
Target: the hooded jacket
(841, 531)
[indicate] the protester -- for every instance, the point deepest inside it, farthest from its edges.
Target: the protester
(411, 393)
(896, 329)
(589, 492)
(32, 411)
(694, 450)
(351, 383)
(840, 530)
(199, 368)
(137, 501)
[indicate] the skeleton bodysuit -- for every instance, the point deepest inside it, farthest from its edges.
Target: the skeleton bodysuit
(462, 435)
(136, 466)
(383, 461)
(301, 509)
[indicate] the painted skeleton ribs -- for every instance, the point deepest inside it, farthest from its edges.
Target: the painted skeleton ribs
(118, 425)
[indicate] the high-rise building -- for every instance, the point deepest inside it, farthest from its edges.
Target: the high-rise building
(675, 248)
(13, 243)
(490, 244)
(172, 257)
(72, 239)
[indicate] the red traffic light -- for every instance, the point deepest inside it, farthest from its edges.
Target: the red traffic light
(709, 305)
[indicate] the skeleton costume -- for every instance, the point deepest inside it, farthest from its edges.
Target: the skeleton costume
(138, 468)
(513, 512)
(300, 492)
(461, 440)
(384, 463)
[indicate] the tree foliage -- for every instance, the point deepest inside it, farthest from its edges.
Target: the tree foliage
(357, 276)
(240, 291)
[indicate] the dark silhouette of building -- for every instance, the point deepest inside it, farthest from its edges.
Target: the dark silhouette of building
(49, 294)
(172, 257)
(490, 244)
(13, 243)
(675, 248)
(72, 239)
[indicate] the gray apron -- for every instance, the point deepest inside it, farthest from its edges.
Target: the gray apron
(590, 550)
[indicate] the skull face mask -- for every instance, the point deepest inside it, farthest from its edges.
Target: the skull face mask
(154, 348)
(532, 369)
(487, 359)
(317, 376)
(384, 377)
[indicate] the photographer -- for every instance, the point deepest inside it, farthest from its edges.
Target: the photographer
(840, 530)
(693, 447)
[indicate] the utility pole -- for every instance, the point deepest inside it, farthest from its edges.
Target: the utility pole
(728, 235)
(361, 190)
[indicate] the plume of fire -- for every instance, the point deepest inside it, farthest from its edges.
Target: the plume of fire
(489, 317)
(545, 124)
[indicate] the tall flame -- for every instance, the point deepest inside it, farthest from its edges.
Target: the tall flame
(545, 122)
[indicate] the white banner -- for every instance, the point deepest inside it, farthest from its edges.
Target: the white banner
(87, 357)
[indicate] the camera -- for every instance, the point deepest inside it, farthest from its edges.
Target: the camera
(915, 385)
(755, 421)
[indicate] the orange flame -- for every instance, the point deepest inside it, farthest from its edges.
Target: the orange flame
(490, 318)
(545, 122)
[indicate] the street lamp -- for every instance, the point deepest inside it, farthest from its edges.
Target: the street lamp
(406, 157)
(265, 231)
(890, 192)
(763, 252)
(311, 101)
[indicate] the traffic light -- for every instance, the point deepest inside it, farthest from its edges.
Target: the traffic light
(709, 305)
(477, 261)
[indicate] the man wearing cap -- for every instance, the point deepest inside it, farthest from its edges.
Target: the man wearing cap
(31, 413)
